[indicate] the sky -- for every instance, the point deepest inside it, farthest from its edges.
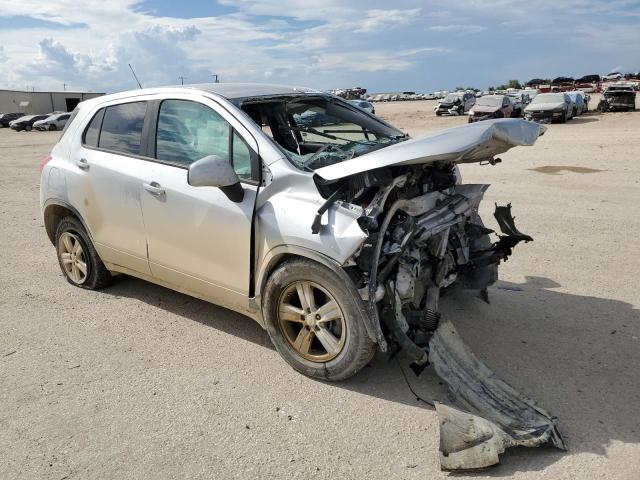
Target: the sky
(399, 45)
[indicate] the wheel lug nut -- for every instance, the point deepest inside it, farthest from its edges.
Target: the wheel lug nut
(317, 317)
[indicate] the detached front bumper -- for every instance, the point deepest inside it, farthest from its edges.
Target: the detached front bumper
(483, 415)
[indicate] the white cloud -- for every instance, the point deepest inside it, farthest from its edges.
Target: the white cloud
(380, 19)
(321, 43)
(458, 28)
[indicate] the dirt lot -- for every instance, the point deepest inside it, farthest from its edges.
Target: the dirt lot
(137, 381)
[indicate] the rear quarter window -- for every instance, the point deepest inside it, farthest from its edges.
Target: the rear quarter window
(72, 117)
(91, 135)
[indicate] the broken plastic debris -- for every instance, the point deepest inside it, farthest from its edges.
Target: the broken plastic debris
(483, 415)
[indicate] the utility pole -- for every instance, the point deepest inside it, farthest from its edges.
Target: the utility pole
(64, 87)
(215, 78)
(181, 80)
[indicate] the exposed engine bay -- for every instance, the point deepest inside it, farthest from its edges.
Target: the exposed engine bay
(424, 236)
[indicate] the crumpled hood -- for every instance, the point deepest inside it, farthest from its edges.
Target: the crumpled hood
(470, 143)
(544, 106)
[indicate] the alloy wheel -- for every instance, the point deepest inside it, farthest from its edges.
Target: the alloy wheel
(311, 321)
(72, 257)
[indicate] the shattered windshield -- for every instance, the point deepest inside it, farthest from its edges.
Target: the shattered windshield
(316, 131)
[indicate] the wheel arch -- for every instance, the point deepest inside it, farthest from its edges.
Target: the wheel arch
(54, 212)
(280, 254)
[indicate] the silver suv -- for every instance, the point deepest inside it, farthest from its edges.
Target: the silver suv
(328, 226)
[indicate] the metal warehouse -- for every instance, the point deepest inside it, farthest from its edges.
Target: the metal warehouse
(41, 102)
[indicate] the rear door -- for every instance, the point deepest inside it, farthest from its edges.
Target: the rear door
(198, 239)
(104, 184)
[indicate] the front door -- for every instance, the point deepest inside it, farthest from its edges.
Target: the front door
(198, 239)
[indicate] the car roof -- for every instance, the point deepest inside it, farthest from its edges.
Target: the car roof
(236, 91)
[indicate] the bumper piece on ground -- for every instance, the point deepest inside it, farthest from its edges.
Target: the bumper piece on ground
(483, 415)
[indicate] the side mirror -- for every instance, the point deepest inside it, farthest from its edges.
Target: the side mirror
(215, 171)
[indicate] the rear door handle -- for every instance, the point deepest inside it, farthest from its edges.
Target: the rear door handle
(154, 188)
(83, 164)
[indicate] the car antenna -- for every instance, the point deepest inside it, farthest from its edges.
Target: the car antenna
(135, 76)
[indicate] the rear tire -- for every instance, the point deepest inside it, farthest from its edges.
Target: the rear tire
(351, 348)
(28, 128)
(52, 128)
(78, 259)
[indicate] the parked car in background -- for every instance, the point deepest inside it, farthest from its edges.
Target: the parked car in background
(520, 100)
(579, 104)
(618, 97)
(613, 76)
(366, 106)
(6, 118)
(550, 107)
(52, 122)
(589, 83)
(455, 104)
(26, 122)
(491, 106)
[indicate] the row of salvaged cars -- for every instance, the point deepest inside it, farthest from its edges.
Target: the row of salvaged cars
(542, 107)
(19, 121)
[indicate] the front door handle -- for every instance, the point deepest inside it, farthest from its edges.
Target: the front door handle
(83, 164)
(154, 188)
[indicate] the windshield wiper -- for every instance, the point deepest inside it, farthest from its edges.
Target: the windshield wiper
(324, 148)
(322, 134)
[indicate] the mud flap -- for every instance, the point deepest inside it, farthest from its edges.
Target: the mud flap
(483, 415)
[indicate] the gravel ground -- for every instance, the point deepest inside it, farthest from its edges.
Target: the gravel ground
(137, 381)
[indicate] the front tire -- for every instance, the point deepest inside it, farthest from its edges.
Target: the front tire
(78, 259)
(316, 320)
(52, 128)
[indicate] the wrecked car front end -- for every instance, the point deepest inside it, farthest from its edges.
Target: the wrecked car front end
(393, 216)
(424, 235)
(618, 99)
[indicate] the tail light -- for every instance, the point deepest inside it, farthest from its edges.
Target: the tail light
(44, 161)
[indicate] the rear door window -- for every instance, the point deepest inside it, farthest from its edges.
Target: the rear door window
(122, 127)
